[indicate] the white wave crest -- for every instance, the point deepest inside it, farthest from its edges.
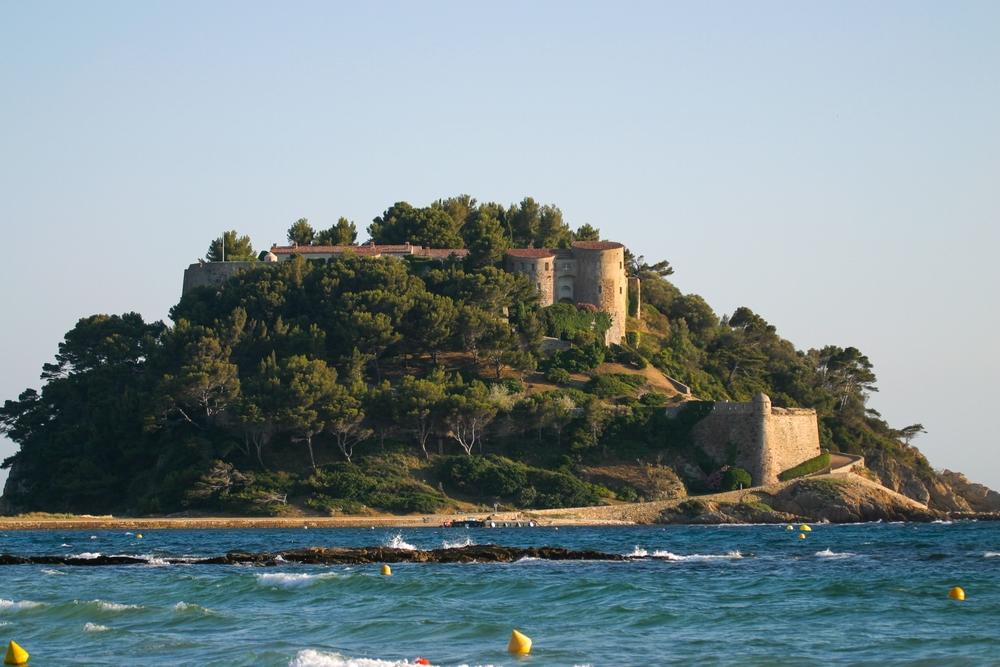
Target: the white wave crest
(53, 573)
(18, 604)
(456, 544)
(291, 579)
(94, 627)
(638, 552)
(312, 658)
(991, 554)
(184, 607)
(668, 555)
(943, 522)
(93, 537)
(397, 542)
(65, 545)
(828, 554)
(86, 554)
(104, 605)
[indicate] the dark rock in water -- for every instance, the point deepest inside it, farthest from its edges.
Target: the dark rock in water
(476, 553)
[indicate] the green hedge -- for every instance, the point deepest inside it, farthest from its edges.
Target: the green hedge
(814, 464)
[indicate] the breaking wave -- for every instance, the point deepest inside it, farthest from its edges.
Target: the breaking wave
(991, 554)
(95, 627)
(828, 554)
(397, 542)
(638, 552)
(312, 658)
(15, 605)
(456, 544)
(291, 579)
(668, 555)
(104, 605)
(188, 607)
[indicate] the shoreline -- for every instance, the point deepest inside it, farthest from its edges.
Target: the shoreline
(807, 500)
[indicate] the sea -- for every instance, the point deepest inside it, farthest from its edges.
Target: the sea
(862, 594)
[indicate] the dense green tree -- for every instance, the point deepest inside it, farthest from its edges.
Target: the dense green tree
(485, 238)
(552, 231)
(432, 227)
(231, 247)
(419, 406)
(468, 411)
(308, 392)
(586, 232)
(342, 233)
(301, 232)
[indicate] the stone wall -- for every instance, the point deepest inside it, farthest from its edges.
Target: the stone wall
(211, 274)
(764, 440)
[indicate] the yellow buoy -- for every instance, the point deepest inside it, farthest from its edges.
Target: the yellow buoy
(802, 536)
(15, 655)
(386, 570)
(138, 536)
(789, 527)
(519, 644)
(956, 593)
(805, 528)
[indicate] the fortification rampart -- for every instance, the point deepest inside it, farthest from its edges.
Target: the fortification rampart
(212, 274)
(764, 440)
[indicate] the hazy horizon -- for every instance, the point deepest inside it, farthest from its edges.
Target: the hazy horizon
(832, 167)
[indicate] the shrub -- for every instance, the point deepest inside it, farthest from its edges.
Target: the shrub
(735, 478)
(609, 385)
(557, 375)
(814, 464)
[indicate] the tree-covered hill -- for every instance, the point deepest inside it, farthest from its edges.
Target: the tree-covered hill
(363, 383)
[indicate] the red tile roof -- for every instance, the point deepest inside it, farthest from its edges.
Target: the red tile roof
(536, 253)
(597, 245)
(368, 249)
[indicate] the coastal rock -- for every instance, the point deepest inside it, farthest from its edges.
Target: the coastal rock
(927, 489)
(837, 500)
(980, 497)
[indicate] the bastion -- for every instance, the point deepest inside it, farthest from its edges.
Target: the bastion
(755, 436)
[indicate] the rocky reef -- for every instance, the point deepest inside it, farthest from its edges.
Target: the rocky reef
(486, 553)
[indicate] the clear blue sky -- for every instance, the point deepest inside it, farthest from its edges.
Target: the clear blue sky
(834, 166)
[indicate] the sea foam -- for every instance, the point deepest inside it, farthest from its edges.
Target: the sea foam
(312, 658)
(829, 554)
(991, 554)
(397, 542)
(104, 605)
(95, 627)
(456, 544)
(14, 605)
(668, 555)
(291, 579)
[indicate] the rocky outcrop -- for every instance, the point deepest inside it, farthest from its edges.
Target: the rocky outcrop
(979, 497)
(927, 488)
(837, 499)
(485, 553)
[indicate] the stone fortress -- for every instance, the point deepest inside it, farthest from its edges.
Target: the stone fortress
(591, 272)
(753, 435)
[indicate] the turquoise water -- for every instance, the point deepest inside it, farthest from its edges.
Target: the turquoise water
(718, 595)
